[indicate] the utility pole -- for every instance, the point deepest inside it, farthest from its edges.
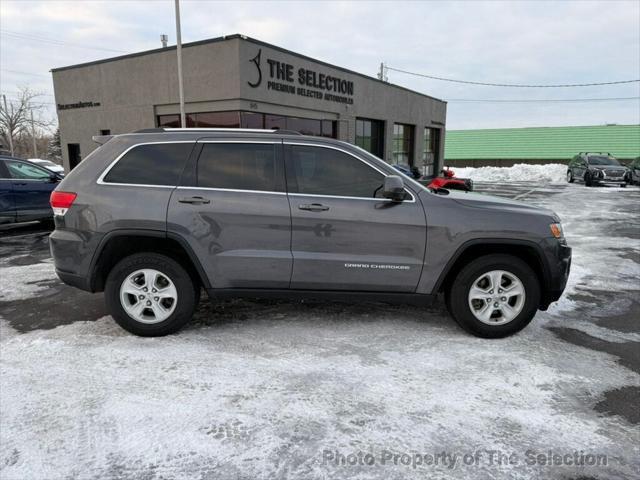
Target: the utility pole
(382, 74)
(33, 136)
(183, 122)
(9, 132)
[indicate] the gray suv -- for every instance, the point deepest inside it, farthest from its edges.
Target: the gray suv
(152, 217)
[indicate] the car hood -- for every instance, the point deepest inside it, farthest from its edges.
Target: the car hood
(479, 200)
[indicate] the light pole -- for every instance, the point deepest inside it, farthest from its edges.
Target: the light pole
(9, 130)
(33, 136)
(183, 122)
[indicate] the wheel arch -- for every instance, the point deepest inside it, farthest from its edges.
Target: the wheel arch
(530, 252)
(121, 243)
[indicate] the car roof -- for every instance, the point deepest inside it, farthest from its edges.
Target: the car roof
(235, 132)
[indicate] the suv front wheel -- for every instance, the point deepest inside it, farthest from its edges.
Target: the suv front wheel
(150, 294)
(570, 178)
(494, 296)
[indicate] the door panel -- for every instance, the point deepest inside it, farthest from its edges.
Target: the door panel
(242, 236)
(357, 244)
(345, 238)
(32, 187)
(7, 205)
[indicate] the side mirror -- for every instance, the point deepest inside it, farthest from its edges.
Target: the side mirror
(393, 188)
(54, 177)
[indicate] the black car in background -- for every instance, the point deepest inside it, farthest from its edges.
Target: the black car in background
(24, 191)
(596, 169)
(634, 172)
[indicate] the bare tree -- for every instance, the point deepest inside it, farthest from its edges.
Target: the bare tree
(16, 124)
(54, 148)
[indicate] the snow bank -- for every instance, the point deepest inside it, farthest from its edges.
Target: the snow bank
(521, 172)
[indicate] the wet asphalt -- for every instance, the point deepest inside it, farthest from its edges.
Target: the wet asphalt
(27, 244)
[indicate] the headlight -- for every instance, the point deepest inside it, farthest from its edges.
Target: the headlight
(556, 230)
(597, 173)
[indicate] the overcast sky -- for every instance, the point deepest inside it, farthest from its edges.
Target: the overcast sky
(540, 42)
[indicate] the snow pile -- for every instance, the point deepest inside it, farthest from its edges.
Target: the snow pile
(521, 172)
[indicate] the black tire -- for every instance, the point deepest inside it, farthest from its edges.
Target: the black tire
(457, 295)
(587, 180)
(48, 223)
(623, 185)
(187, 289)
(570, 178)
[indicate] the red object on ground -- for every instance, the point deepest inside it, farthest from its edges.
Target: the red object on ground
(449, 181)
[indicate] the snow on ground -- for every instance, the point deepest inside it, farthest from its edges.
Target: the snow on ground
(521, 172)
(267, 396)
(277, 389)
(18, 282)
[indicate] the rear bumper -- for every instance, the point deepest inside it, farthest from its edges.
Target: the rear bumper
(72, 253)
(73, 280)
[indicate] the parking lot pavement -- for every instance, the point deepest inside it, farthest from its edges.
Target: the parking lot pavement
(275, 389)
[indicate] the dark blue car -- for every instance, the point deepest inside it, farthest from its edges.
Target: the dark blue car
(24, 191)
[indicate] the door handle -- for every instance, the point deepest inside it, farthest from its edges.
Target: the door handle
(313, 207)
(194, 200)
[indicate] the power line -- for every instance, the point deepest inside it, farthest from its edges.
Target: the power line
(543, 100)
(52, 41)
(16, 93)
(24, 73)
(512, 85)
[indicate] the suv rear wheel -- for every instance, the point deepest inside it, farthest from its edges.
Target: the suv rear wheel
(150, 295)
(494, 296)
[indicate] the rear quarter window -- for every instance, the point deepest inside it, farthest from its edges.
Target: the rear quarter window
(151, 164)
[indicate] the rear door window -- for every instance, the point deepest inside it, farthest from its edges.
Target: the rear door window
(151, 164)
(240, 166)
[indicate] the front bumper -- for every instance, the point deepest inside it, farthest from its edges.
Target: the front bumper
(558, 268)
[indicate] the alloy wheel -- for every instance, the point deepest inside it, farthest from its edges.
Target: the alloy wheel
(496, 297)
(148, 296)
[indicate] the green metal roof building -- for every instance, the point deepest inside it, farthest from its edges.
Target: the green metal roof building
(508, 146)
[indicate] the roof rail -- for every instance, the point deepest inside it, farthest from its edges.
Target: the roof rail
(205, 129)
(101, 139)
(287, 132)
(150, 130)
(241, 130)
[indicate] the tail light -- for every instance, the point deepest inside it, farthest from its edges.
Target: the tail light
(61, 201)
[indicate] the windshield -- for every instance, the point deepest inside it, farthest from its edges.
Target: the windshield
(602, 160)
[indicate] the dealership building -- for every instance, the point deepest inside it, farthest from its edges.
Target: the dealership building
(239, 82)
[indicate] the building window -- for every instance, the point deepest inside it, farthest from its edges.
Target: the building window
(430, 149)
(403, 144)
(173, 120)
(329, 128)
(105, 132)
(370, 136)
(251, 120)
(234, 119)
(217, 119)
